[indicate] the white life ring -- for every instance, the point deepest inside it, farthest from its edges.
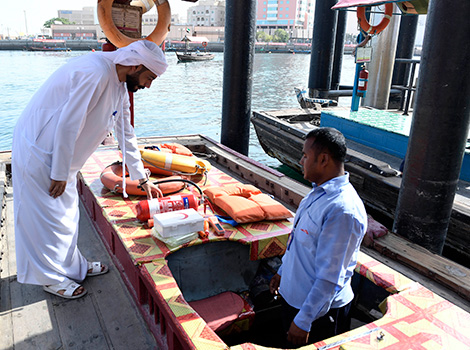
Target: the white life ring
(118, 39)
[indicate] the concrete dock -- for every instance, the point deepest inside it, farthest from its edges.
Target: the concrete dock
(105, 318)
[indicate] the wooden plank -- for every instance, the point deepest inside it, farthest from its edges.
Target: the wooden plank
(456, 277)
(6, 322)
(108, 292)
(32, 324)
(417, 276)
(106, 318)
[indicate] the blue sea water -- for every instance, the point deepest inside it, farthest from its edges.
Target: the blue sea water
(187, 99)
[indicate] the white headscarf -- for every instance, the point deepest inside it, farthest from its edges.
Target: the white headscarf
(141, 52)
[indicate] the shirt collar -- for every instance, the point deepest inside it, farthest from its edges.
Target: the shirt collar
(332, 185)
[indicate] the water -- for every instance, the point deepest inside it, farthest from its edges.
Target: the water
(187, 99)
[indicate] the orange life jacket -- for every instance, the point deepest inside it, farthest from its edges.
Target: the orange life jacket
(246, 203)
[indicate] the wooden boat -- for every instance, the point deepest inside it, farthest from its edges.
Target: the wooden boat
(53, 49)
(308, 102)
(194, 56)
(375, 172)
(167, 281)
(48, 45)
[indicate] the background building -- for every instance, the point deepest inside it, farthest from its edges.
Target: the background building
(207, 13)
(85, 16)
(76, 32)
(178, 32)
(84, 26)
(294, 16)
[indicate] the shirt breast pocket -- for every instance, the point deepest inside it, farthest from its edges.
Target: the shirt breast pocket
(307, 231)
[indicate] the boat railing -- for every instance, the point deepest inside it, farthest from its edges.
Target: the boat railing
(408, 87)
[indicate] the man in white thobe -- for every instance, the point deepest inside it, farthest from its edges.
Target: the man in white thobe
(63, 124)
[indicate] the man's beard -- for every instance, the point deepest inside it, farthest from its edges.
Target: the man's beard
(132, 81)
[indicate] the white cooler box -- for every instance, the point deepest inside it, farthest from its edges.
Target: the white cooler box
(178, 223)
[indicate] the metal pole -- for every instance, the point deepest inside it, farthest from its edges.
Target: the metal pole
(239, 52)
(339, 50)
(323, 45)
(405, 49)
(440, 127)
(381, 66)
(25, 23)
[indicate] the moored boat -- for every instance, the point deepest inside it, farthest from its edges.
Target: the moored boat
(170, 283)
(48, 45)
(194, 56)
(375, 156)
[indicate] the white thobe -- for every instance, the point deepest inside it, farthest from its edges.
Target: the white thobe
(63, 124)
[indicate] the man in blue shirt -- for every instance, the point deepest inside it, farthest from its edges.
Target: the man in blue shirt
(314, 279)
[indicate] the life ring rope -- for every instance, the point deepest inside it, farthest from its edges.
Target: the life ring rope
(119, 39)
(111, 178)
(370, 29)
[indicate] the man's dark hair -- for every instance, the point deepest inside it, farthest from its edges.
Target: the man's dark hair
(331, 140)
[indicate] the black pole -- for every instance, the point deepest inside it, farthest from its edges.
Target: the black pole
(339, 49)
(405, 48)
(239, 51)
(440, 127)
(323, 43)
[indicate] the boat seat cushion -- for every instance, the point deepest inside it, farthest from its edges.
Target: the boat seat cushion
(374, 230)
(219, 311)
(232, 190)
(240, 209)
(272, 209)
(246, 203)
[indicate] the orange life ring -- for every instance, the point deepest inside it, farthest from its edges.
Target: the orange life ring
(204, 43)
(111, 178)
(119, 39)
(365, 25)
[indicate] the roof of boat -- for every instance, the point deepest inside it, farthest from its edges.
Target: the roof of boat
(350, 3)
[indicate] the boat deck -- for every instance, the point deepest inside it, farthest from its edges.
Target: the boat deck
(381, 130)
(414, 314)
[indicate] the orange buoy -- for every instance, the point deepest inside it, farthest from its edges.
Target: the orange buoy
(174, 148)
(111, 178)
(365, 25)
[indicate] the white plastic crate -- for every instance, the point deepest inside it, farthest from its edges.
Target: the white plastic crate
(178, 223)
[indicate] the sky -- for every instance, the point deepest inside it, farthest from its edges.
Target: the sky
(36, 12)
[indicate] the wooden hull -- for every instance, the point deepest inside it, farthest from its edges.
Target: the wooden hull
(53, 49)
(189, 57)
(374, 174)
(164, 280)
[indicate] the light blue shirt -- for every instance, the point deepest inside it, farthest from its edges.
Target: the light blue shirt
(322, 250)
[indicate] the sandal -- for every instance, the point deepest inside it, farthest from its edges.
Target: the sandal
(97, 268)
(68, 286)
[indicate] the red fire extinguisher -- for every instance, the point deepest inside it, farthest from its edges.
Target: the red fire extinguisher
(147, 208)
(363, 79)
